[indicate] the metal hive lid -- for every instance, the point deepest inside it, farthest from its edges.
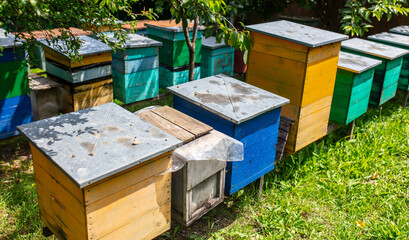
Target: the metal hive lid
(9, 40)
(356, 63)
(391, 38)
(212, 44)
(229, 98)
(89, 46)
(375, 49)
(297, 33)
(400, 30)
(96, 143)
(135, 41)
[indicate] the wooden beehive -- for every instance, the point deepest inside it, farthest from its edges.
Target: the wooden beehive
(174, 52)
(44, 95)
(217, 58)
(352, 87)
(199, 186)
(239, 110)
(385, 82)
(300, 63)
(15, 106)
(173, 76)
(400, 41)
(100, 173)
(136, 69)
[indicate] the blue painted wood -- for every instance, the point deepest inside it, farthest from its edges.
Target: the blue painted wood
(216, 61)
(137, 65)
(10, 54)
(259, 136)
(135, 53)
(168, 77)
(14, 112)
(137, 86)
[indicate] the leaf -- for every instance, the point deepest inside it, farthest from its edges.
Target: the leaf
(360, 224)
(375, 176)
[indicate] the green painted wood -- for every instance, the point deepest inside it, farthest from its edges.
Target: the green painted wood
(169, 35)
(168, 78)
(213, 64)
(351, 95)
(13, 79)
(137, 86)
(176, 53)
(135, 53)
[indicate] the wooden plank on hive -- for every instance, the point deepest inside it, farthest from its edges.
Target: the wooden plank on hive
(167, 126)
(184, 121)
(134, 202)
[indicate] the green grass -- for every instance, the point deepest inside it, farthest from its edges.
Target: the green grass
(333, 189)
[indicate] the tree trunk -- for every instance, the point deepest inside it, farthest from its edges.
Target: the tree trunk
(192, 62)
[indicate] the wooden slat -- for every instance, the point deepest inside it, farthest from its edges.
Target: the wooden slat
(135, 203)
(109, 187)
(93, 94)
(190, 124)
(167, 126)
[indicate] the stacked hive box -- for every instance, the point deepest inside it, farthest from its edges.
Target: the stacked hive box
(135, 70)
(239, 110)
(386, 77)
(199, 186)
(108, 180)
(400, 41)
(174, 55)
(300, 63)
(87, 82)
(352, 87)
(217, 58)
(15, 105)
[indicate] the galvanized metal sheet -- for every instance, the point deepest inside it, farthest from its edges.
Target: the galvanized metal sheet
(374, 49)
(96, 143)
(8, 40)
(355, 63)
(211, 43)
(297, 33)
(229, 98)
(391, 38)
(171, 29)
(89, 46)
(135, 41)
(404, 30)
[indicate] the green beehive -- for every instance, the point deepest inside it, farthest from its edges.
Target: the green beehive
(175, 52)
(385, 82)
(352, 87)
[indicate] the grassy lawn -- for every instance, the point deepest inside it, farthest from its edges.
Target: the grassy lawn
(333, 189)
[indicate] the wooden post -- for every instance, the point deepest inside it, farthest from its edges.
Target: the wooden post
(351, 127)
(405, 99)
(260, 187)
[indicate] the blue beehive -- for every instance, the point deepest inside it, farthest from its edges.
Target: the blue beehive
(15, 105)
(136, 69)
(242, 111)
(217, 58)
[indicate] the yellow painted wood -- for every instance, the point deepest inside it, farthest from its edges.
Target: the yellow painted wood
(87, 60)
(304, 75)
(128, 205)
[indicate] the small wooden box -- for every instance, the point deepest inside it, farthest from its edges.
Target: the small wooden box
(385, 82)
(99, 174)
(14, 112)
(136, 69)
(173, 76)
(400, 41)
(241, 111)
(199, 186)
(174, 52)
(217, 58)
(300, 63)
(44, 95)
(352, 87)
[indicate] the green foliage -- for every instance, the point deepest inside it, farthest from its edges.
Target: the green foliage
(358, 14)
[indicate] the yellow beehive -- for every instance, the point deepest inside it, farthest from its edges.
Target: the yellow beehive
(299, 63)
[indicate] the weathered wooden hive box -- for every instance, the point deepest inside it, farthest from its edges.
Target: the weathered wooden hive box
(400, 41)
(101, 173)
(44, 95)
(352, 87)
(87, 82)
(217, 58)
(15, 106)
(199, 186)
(297, 62)
(174, 55)
(239, 110)
(385, 82)
(135, 70)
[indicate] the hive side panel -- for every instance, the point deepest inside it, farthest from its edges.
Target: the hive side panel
(93, 94)
(87, 60)
(324, 52)
(13, 79)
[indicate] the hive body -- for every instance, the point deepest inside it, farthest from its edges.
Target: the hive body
(217, 58)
